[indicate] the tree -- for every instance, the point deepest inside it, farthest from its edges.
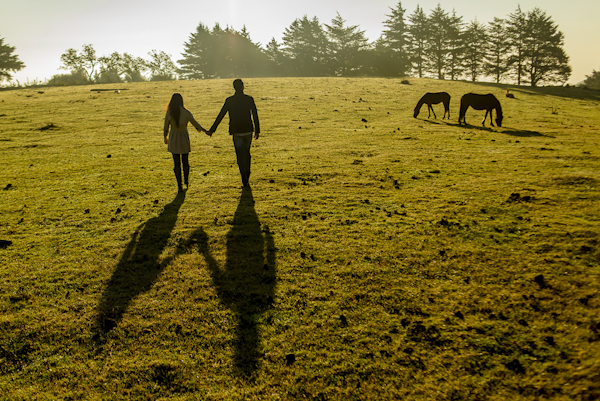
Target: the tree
(496, 59)
(418, 34)
(132, 68)
(438, 46)
(9, 62)
(544, 57)
(392, 47)
(76, 62)
(161, 66)
(517, 31)
(456, 46)
(277, 59)
(110, 69)
(592, 81)
(306, 44)
(346, 44)
(475, 41)
(196, 56)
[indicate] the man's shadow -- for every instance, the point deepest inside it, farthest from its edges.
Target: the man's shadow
(246, 285)
(137, 269)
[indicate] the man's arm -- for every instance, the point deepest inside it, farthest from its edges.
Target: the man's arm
(219, 118)
(256, 122)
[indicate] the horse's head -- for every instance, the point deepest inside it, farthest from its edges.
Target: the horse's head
(416, 113)
(499, 118)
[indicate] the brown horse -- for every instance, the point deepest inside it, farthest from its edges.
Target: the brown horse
(480, 102)
(434, 98)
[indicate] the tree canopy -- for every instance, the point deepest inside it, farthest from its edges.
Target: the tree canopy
(526, 47)
(9, 62)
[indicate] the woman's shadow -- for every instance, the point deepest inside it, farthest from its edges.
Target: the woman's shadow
(137, 269)
(246, 285)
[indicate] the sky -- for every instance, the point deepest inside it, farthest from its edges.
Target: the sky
(42, 30)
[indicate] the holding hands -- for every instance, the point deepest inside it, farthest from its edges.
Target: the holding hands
(205, 131)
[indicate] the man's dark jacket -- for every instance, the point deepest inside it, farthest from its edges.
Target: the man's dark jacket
(242, 111)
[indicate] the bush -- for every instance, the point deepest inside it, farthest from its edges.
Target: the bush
(76, 78)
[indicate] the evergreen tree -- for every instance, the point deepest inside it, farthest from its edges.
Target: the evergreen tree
(9, 62)
(306, 44)
(545, 59)
(456, 46)
(277, 60)
(392, 47)
(496, 58)
(517, 32)
(196, 62)
(438, 43)
(346, 44)
(418, 34)
(475, 40)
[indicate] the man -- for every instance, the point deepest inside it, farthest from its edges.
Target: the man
(243, 121)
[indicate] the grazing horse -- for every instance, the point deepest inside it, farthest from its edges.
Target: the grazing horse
(480, 102)
(434, 98)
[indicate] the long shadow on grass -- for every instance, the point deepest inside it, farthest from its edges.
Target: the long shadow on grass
(507, 131)
(246, 284)
(138, 267)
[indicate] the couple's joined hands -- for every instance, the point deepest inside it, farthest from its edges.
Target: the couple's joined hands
(207, 132)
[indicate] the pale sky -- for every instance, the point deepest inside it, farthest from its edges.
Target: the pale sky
(42, 30)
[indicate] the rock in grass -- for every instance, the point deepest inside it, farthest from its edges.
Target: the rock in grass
(290, 359)
(343, 321)
(539, 279)
(516, 366)
(5, 243)
(7, 187)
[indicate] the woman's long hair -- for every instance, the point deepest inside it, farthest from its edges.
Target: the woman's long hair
(175, 106)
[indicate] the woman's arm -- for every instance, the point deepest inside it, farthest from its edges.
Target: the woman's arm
(166, 127)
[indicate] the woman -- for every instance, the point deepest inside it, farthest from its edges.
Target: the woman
(178, 138)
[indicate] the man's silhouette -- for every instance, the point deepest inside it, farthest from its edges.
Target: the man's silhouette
(243, 121)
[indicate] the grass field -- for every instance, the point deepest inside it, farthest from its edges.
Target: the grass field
(377, 256)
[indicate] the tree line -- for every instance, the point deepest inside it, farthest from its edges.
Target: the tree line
(524, 48)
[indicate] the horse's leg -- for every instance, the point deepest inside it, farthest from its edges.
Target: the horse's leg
(433, 111)
(446, 110)
(484, 118)
(491, 119)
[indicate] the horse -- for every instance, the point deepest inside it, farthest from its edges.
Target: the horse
(434, 98)
(480, 102)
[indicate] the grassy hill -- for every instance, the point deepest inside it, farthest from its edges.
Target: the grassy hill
(377, 256)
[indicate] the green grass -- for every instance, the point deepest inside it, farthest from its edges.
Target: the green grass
(377, 256)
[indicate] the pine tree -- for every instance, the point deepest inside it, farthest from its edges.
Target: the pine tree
(346, 44)
(392, 47)
(517, 32)
(544, 57)
(418, 34)
(196, 62)
(9, 62)
(456, 46)
(475, 38)
(497, 50)
(306, 44)
(438, 46)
